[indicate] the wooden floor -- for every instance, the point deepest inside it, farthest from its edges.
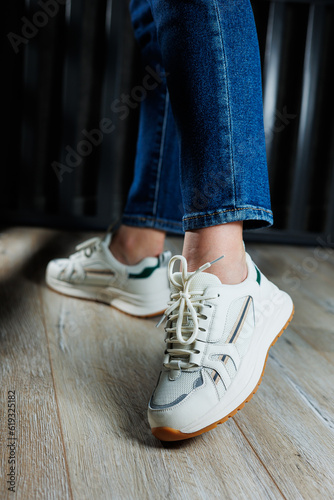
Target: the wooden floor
(83, 372)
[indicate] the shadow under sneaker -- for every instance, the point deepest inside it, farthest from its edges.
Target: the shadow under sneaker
(94, 273)
(217, 343)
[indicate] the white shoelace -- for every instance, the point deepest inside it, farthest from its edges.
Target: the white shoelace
(184, 304)
(91, 245)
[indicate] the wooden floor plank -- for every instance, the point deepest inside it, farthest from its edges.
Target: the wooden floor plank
(289, 437)
(83, 380)
(24, 368)
(309, 373)
(296, 395)
(311, 295)
(106, 365)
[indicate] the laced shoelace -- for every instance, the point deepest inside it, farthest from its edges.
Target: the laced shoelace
(184, 304)
(87, 248)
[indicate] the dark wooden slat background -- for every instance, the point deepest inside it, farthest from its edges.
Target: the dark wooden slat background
(64, 79)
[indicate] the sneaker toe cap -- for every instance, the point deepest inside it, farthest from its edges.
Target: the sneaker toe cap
(183, 415)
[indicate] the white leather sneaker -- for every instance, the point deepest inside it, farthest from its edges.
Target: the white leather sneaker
(218, 339)
(94, 273)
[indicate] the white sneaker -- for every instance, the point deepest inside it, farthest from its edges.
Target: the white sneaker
(218, 339)
(94, 273)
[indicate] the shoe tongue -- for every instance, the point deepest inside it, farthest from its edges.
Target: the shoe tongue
(199, 282)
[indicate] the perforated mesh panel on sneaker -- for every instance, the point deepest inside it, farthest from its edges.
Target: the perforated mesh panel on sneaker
(239, 321)
(170, 391)
(232, 316)
(246, 333)
(238, 330)
(199, 282)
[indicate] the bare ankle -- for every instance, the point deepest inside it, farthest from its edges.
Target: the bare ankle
(207, 244)
(132, 244)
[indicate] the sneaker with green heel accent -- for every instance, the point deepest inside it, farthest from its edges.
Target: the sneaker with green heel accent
(217, 342)
(93, 273)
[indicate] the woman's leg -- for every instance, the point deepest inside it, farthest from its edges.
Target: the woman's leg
(210, 52)
(220, 323)
(154, 203)
(133, 276)
(205, 245)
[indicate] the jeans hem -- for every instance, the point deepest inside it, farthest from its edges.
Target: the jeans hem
(253, 218)
(153, 223)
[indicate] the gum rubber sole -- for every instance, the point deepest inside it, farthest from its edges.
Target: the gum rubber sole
(169, 434)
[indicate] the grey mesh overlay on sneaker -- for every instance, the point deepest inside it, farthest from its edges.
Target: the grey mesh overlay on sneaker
(172, 392)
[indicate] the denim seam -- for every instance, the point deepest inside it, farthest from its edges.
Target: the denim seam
(161, 151)
(228, 98)
(224, 211)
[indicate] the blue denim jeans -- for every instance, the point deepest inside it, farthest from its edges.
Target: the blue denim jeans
(201, 158)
